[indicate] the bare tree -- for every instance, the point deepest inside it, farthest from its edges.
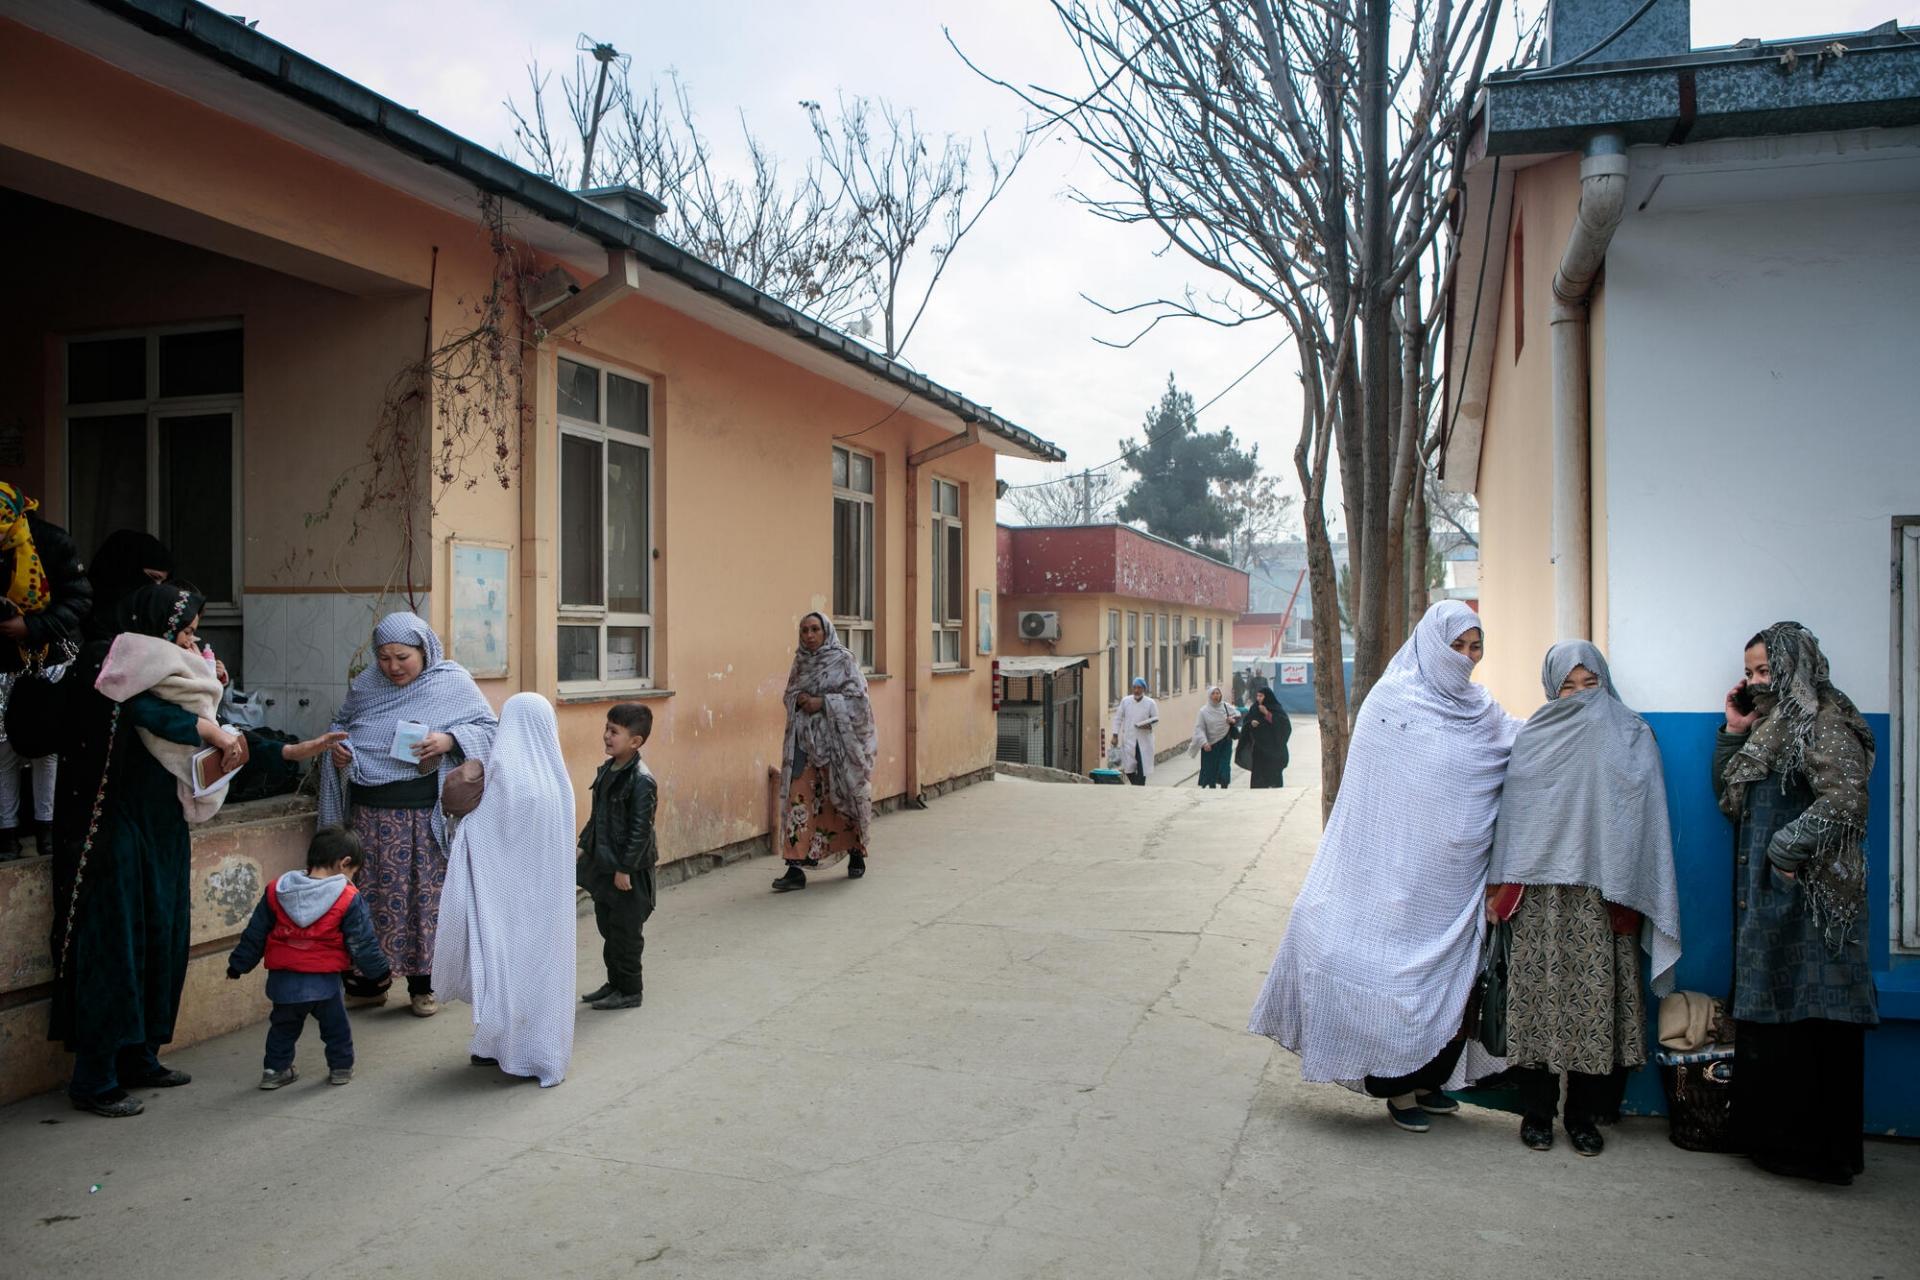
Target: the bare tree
(901, 193)
(858, 236)
(1078, 497)
(1262, 513)
(1230, 129)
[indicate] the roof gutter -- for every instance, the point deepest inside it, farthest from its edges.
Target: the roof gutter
(211, 34)
(1603, 202)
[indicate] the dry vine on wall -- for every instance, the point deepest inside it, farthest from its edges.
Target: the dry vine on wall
(449, 421)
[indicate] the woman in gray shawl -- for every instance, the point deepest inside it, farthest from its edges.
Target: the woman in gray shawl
(1583, 871)
(1790, 769)
(826, 761)
(395, 803)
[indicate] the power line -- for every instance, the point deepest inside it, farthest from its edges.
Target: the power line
(1221, 394)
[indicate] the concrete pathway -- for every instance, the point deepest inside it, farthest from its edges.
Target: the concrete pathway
(1014, 1050)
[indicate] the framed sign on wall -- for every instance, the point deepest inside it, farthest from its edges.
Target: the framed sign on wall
(482, 593)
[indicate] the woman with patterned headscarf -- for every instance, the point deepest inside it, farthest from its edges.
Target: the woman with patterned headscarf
(121, 868)
(826, 761)
(45, 601)
(1790, 769)
(395, 803)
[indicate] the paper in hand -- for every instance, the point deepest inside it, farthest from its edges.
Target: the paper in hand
(406, 736)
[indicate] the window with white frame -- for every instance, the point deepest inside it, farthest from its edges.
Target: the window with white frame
(153, 442)
(1216, 653)
(1166, 638)
(1133, 651)
(1194, 642)
(606, 527)
(1146, 659)
(853, 552)
(1113, 655)
(949, 575)
(1179, 642)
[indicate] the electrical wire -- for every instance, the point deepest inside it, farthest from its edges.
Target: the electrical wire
(884, 419)
(1181, 426)
(1611, 36)
(1479, 288)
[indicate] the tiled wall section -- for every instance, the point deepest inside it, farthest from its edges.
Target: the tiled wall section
(300, 650)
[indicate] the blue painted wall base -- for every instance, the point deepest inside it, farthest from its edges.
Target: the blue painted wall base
(1703, 857)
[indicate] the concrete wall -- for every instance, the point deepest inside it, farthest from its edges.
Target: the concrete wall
(1516, 456)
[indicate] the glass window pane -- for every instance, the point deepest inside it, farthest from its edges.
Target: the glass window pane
(956, 583)
(106, 369)
(839, 468)
(200, 364)
(106, 477)
(579, 653)
(579, 391)
(627, 549)
(938, 596)
(196, 500)
(866, 562)
(862, 473)
(626, 404)
(846, 552)
(581, 525)
(626, 653)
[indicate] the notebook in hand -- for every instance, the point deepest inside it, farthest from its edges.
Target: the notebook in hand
(210, 772)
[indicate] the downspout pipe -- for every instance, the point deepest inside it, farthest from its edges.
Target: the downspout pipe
(1603, 200)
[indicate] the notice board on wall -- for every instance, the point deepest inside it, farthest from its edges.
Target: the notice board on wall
(481, 594)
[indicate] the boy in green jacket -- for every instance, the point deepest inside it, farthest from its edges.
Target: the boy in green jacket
(618, 854)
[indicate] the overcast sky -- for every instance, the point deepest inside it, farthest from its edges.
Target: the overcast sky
(1008, 327)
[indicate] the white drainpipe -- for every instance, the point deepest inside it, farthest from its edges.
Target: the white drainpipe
(1603, 198)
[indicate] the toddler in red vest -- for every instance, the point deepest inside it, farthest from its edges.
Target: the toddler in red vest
(312, 927)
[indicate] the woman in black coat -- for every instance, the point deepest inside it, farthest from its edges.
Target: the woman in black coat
(1264, 731)
(47, 595)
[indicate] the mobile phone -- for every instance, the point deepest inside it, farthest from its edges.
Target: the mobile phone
(1743, 700)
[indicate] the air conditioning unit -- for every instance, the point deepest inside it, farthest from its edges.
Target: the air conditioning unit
(1196, 646)
(1039, 626)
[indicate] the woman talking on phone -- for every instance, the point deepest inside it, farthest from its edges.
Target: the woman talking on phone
(1790, 769)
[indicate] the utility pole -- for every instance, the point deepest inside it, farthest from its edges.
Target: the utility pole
(1086, 497)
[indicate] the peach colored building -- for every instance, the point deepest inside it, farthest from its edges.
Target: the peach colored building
(1131, 605)
(342, 360)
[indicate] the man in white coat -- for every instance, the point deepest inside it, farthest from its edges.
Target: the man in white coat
(1133, 722)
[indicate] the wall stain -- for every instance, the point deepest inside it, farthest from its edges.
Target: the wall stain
(233, 888)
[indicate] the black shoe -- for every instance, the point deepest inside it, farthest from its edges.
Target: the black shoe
(1436, 1103)
(167, 1079)
(9, 845)
(114, 1109)
(1537, 1133)
(1586, 1138)
(619, 1000)
(794, 879)
(42, 838)
(856, 866)
(604, 990)
(479, 1061)
(1833, 1175)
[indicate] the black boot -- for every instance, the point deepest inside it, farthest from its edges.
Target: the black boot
(794, 879)
(856, 865)
(9, 845)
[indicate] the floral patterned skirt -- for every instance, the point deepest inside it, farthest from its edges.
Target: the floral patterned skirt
(1573, 985)
(816, 834)
(405, 870)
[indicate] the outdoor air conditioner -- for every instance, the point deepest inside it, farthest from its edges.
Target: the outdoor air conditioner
(1039, 626)
(1196, 646)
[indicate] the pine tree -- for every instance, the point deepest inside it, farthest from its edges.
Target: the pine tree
(1178, 468)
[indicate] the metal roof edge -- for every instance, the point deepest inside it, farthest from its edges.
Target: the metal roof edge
(212, 34)
(1117, 527)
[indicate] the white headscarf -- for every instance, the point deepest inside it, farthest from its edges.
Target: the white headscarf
(1384, 941)
(1212, 724)
(507, 915)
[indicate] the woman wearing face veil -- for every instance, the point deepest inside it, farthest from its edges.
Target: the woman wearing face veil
(1790, 769)
(1370, 984)
(1583, 868)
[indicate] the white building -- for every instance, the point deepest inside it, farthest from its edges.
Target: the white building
(1681, 385)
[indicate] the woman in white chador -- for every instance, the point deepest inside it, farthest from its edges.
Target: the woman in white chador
(1371, 981)
(507, 916)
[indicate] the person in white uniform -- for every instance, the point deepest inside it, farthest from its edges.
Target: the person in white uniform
(1133, 722)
